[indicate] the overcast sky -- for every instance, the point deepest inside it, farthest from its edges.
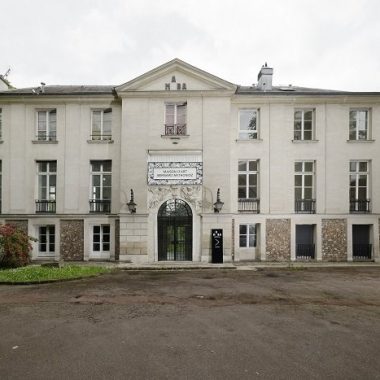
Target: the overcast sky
(321, 43)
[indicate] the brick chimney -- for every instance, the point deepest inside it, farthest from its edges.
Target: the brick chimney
(264, 79)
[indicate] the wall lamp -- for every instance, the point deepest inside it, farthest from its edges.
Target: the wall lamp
(218, 205)
(131, 204)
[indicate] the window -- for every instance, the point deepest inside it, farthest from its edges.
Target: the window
(247, 235)
(304, 186)
(248, 124)
(359, 186)
(359, 124)
(101, 124)
(1, 124)
(46, 240)
(101, 238)
(47, 181)
(47, 125)
(175, 118)
(101, 182)
(248, 172)
(303, 124)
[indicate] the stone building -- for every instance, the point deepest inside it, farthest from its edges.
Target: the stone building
(298, 169)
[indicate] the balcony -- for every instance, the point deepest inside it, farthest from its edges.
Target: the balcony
(249, 205)
(362, 251)
(305, 251)
(45, 207)
(102, 206)
(360, 206)
(304, 206)
(175, 130)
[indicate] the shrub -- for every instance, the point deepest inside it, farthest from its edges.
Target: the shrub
(15, 247)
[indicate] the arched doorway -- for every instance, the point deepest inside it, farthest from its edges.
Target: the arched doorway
(175, 231)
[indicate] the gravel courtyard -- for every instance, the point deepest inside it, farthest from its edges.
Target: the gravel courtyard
(202, 324)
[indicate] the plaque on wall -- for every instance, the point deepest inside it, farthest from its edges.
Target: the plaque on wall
(175, 173)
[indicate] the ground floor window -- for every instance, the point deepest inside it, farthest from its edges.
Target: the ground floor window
(101, 238)
(247, 235)
(46, 240)
(305, 246)
(361, 242)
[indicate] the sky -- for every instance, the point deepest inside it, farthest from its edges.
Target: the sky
(331, 44)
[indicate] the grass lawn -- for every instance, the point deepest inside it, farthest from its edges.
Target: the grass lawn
(34, 273)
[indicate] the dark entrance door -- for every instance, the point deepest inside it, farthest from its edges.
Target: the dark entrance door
(305, 247)
(361, 247)
(175, 231)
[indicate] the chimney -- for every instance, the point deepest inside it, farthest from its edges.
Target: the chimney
(264, 79)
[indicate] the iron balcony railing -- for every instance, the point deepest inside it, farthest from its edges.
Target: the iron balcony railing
(249, 205)
(362, 251)
(306, 206)
(101, 137)
(305, 251)
(175, 130)
(100, 205)
(45, 206)
(43, 136)
(360, 206)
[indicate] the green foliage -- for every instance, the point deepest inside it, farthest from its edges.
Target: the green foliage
(15, 247)
(36, 273)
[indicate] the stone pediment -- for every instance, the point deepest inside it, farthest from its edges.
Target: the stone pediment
(176, 76)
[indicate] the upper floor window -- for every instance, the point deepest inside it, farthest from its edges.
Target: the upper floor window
(47, 125)
(359, 186)
(304, 186)
(175, 118)
(101, 124)
(248, 124)
(303, 124)
(359, 124)
(47, 182)
(101, 186)
(248, 181)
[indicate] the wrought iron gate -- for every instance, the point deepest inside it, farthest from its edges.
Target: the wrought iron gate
(175, 231)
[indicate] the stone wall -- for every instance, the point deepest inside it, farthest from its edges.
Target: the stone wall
(133, 238)
(72, 240)
(117, 239)
(334, 239)
(278, 239)
(20, 224)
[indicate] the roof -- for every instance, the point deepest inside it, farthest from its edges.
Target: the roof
(61, 90)
(295, 90)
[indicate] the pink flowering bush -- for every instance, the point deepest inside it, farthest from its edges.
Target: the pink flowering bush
(15, 247)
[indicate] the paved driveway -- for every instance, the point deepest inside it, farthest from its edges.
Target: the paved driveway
(206, 324)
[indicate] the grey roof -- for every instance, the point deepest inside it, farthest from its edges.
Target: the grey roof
(61, 90)
(295, 90)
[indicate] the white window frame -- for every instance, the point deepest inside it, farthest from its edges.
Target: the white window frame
(101, 253)
(303, 173)
(357, 173)
(102, 173)
(48, 127)
(48, 252)
(247, 173)
(357, 130)
(175, 117)
(102, 136)
(247, 132)
(247, 235)
(50, 195)
(175, 128)
(303, 111)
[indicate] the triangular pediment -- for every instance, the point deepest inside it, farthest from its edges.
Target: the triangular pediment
(176, 75)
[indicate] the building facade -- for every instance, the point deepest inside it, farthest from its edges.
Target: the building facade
(297, 169)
